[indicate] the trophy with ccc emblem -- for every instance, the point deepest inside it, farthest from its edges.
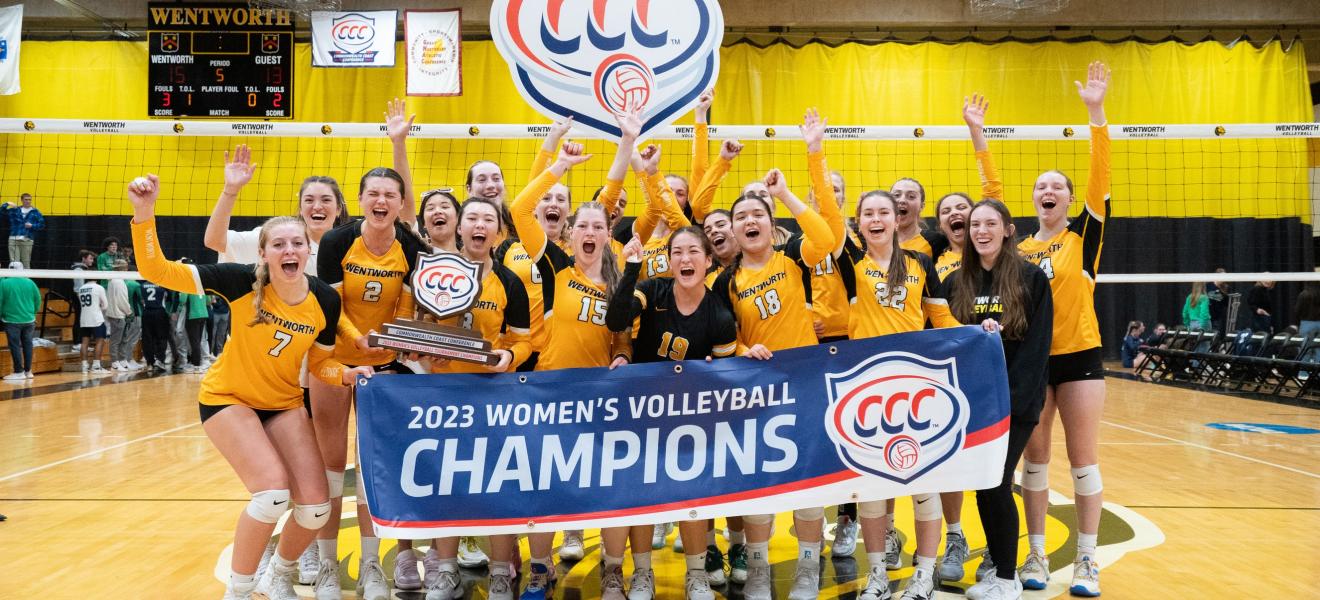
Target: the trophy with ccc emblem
(444, 284)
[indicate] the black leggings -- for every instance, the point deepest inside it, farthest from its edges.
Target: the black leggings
(999, 516)
(155, 335)
(194, 329)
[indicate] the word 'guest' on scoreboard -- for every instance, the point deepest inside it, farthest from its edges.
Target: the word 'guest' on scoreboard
(219, 60)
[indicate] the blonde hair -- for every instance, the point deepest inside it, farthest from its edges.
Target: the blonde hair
(262, 271)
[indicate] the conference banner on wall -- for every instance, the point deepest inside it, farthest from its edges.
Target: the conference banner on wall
(433, 45)
(593, 60)
(920, 412)
(11, 32)
(354, 39)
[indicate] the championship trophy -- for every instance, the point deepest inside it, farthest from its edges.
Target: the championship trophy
(444, 284)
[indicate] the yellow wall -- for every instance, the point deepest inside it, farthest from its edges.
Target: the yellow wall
(851, 84)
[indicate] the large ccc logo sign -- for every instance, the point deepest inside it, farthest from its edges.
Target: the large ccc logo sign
(897, 415)
(589, 59)
(446, 284)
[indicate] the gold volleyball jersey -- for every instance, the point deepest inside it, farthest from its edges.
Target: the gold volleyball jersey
(877, 310)
(702, 200)
(575, 306)
(829, 299)
(500, 315)
(373, 289)
(262, 367)
(655, 259)
(714, 273)
(1071, 258)
(512, 255)
(927, 241)
(773, 303)
(700, 163)
(948, 262)
(660, 204)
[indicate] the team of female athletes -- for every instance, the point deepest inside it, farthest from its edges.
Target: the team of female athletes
(566, 291)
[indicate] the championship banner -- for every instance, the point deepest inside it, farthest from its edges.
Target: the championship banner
(446, 455)
(354, 39)
(589, 59)
(11, 30)
(433, 42)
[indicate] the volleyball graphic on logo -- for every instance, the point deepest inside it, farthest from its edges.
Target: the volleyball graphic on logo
(901, 453)
(622, 81)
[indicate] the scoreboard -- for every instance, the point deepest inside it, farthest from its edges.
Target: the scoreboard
(219, 60)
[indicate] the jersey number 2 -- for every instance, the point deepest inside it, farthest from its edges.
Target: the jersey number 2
(372, 293)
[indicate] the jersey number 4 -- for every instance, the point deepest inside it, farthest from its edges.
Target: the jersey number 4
(1047, 265)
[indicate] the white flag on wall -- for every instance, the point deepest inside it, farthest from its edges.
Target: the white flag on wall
(11, 29)
(434, 50)
(354, 39)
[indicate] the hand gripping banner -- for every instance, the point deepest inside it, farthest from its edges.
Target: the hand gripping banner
(852, 421)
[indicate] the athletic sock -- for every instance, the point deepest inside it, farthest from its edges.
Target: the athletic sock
(1086, 544)
(956, 528)
(809, 552)
(926, 563)
(758, 554)
(243, 584)
(737, 537)
(328, 548)
(641, 560)
(695, 561)
(1037, 542)
(612, 561)
(370, 548)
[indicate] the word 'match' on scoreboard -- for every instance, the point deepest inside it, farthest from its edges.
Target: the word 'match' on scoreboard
(220, 60)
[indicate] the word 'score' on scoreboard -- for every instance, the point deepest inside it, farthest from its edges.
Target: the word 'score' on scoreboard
(219, 60)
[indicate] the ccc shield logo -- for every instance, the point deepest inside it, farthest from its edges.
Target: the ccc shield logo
(353, 32)
(589, 59)
(446, 284)
(897, 415)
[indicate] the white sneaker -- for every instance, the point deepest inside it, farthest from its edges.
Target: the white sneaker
(893, 550)
(277, 583)
(309, 563)
(431, 568)
(1035, 571)
(845, 537)
(445, 585)
(697, 585)
(642, 585)
(986, 568)
(406, 575)
(611, 583)
(119, 366)
(371, 581)
(470, 555)
(757, 586)
(135, 365)
(806, 581)
(877, 585)
(265, 559)
(571, 549)
(15, 378)
(1086, 578)
(921, 586)
(1002, 589)
(97, 369)
(326, 586)
(28, 375)
(715, 566)
(230, 594)
(501, 585)
(659, 534)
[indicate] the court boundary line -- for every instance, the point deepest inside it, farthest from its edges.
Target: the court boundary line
(94, 452)
(1210, 448)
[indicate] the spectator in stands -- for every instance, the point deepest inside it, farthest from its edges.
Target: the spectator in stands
(1218, 293)
(219, 324)
(93, 304)
(24, 221)
(1155, 340)
(1307, 310)
(155, 326)
(1260, 303)
(86, 260)
(106, 260)
(1196, 309)
(117, 315)
(20, 299)
(1131, 343)
(177, 307)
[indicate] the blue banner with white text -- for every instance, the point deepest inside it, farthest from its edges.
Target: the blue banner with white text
(871, 419)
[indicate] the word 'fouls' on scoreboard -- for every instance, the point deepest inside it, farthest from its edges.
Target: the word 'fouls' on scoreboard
(220, 60)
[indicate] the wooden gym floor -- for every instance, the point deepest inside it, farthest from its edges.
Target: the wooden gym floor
(112, 491)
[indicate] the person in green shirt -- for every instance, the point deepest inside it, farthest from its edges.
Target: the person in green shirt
(196, 313)
(106, 260)
(1196, 310)
(133, 324)
(20, 299)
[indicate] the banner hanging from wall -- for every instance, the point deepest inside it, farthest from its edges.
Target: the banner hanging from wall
(591, 59)
(11, 32)
(853, 421)
(354, 39)
(433, 44)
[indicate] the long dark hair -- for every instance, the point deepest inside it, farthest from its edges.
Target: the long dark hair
(896, 271)
(698, 233)
(609, 266)
(737, 259)
(505, 215)
(1005, 276)
(440, 195)
(334, 189)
